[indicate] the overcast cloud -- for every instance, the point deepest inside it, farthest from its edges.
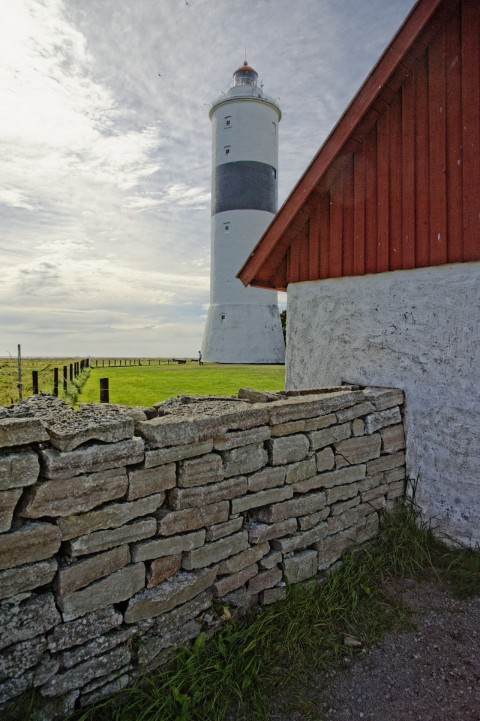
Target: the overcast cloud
(105, 165)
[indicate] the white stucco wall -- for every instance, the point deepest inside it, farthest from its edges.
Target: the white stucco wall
(418, 330)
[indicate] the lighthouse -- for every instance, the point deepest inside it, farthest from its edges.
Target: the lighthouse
(243, 324)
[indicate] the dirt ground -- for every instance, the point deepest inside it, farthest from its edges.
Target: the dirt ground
(430, 673)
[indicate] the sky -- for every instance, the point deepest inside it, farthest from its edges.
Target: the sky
(105, 152)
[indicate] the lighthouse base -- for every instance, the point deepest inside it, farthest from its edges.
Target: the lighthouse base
(243, 333)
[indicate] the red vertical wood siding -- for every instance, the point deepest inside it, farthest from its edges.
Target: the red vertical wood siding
(409, 196)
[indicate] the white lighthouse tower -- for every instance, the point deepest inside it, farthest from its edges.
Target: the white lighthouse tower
(243, 324)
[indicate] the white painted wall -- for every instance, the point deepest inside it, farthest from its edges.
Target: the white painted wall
(418, 330)
(252, 133)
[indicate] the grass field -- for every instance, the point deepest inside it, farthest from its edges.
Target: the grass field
(146, 385)
(45, 366)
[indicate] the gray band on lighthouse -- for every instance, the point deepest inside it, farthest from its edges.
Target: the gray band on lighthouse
(244, 185)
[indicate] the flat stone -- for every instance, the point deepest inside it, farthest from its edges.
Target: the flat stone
(246, 459)
(172, 522)
(171, 593)
(266, 478)
(27, 619)
(115, 685)
(241, 560)
(215, 551)
(8, 503)
(341, 507)
(152, 646)
(316, 424)
(103, 540)
(265, 579)
(82, 573)
(182, 614)
(368, 496)
(383, 398)
(96, 646)
(313, 519)
(396, 490)
(301, 540)
(92, 625)
(380, 419)
(288, 449)
(299, 506)
(74, 495)
(69, 429)
(349, 474)
(396, 474)
(32, 542)
(273, 595)
(111, 516)
(86, 671)
(261, 532)
(161, 456)
(386, 463)
(340, 493)
(393, 439)
(26, 578)
(325, 461)
(333, 547)
(329, 436)
(162, 568)
(262, 498)
(18, 469)
(235, 439)
(299, 471)
(29, 679)
(358, 427)
(119, 586)
(21, 432)
(349, 414)
(250, 394)
(17, 659)
(91, 458)
(349, 518)
(357, 450)
(302, 407)
(170, 546)
(224, 529)
(148, 481)
(200, 471)
(182, 498)
(169, 431)
(301, 566)
(227, 584)
(270, 560)
(286, 429)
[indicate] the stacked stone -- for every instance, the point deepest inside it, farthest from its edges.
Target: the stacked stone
(118, 529)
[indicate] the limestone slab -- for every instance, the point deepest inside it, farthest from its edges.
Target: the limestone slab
(170, 546)
(357, 450)
(119, 586)
(172, 522)
(182, 498)
(245, 459)
(200, 471)
(273, 595)
(265, 579)
(148, 481)
(96, 647)
(235, 439)
(91, 458)
(340, 493)
(380, 419)
(270, 560)
(312, 519)
(224, 529)
(299, 408)
(32, 542)
(20, 657)
(26, 578)
(103, 540)
(356, 411)
(169, 431)
(27, 619)
(298, 506)
(301, 566)
(288, 449)
(162, 568)
(160, 456)
(227, 584)
(266, 478)
(78, 676)
(349, 474)
(328, 436)
(296, 472)
(383, 398)
(18, 469)
(8, 503)
(182, 614)
(82, 573)
(393, 438)
(168, 595)
(341, 507)
(215, 551)
(261, 532)
(21, 432)
(83, 629)
(262, 498)
(111, 516)
(245, 558)
(74, 495)
(325, 461)
(301, 539)
(386, 463)
(349, 518)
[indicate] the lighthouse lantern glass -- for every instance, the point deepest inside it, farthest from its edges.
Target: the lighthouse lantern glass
(245, 77)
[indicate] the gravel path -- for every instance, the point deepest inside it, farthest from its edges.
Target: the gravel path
(431, 673)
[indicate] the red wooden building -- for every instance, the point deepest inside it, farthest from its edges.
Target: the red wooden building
(378, 247)
(397, 183)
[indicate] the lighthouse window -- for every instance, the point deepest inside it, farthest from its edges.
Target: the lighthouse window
(274, 172)
(228, 121)
(226, 226)
(227, 149)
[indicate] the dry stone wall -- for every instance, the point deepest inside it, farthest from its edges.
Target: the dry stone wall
(120, 526)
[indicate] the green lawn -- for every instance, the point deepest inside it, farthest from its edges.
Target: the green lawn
(146, 385)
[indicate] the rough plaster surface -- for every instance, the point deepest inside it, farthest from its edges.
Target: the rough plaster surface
(418, 330)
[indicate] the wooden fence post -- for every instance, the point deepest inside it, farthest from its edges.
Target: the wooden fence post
(35, 382)
(104, 392)
(55, 381)
(65, 378)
